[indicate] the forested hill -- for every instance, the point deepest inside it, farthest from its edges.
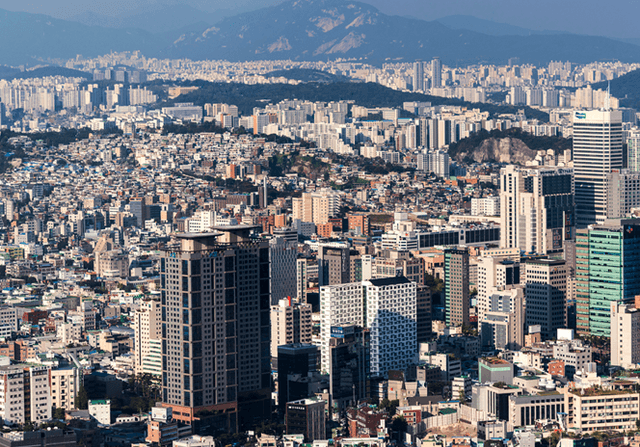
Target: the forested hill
(246, 97)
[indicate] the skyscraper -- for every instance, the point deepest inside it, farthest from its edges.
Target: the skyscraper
(597, 149)
(436, 73)
(456, 287)
(546, 295)
(536, 209)
(418, 76)
(607, 270)
(215, 328)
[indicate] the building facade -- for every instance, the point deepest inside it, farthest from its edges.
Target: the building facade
(597, 150)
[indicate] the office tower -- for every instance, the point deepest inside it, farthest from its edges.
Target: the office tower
(418, 76)
(436, 73)
(597, 150)
(390, 306)
(607, 270)
(290, 323)
(147, 326)
(307, 417)
(423, 313)
(546, 295)
(137, 207)
(536, 209)
(215, 328)
(502, 325)
(333, 265)
(306, 269)
(283, 257)
(456, 287)
(625, 334)
(623, 193)
(495, 273)
(349, 364)
(295, 361)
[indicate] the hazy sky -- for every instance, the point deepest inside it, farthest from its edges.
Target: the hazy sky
(616, 18)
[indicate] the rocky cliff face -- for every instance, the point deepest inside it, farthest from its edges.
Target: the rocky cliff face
(503, 150)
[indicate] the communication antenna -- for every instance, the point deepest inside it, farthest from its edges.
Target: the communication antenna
(607, 100)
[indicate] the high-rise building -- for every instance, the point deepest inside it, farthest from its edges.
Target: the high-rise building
(295, 359)
(27, 394)
(456, 287)
(418, 76)
(633, 151)
(349, 364)
(536, 209)
(607, 271)
(495, 273)
(387, 307)
(623, 193)
(290, 323)
(283, 257)
(502, 325)
(215, 328)
(597, 150)
(546, 295)
(625, 334)
(147, 326)
(307, 416)
(334, 265)
(436, 73)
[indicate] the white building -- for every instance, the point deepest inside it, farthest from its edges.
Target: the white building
(14, 403)
(100, 410)
(625, 335)
(391, 308)
(147, 326)
(65, 382)
(536, 208)
(68, 332)
(486, 206)
(195, 441)
(623, 192)
(290, 323)
(597, 150)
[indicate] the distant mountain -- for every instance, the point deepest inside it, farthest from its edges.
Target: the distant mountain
(168, 18)
(330, 29)
(471, 23)
(297, 30)
(30, 38)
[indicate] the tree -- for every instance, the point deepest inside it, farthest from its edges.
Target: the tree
(399, 425)
(59, 413)
(82, 399)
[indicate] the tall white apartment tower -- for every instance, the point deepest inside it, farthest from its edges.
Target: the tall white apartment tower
(387, 306)
(147, 326)
(625, 334)
(418, 76)
(597, 149)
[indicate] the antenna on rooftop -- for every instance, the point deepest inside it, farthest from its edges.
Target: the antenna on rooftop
(607, 100)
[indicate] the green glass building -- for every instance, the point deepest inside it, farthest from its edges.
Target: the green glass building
(607, 270)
